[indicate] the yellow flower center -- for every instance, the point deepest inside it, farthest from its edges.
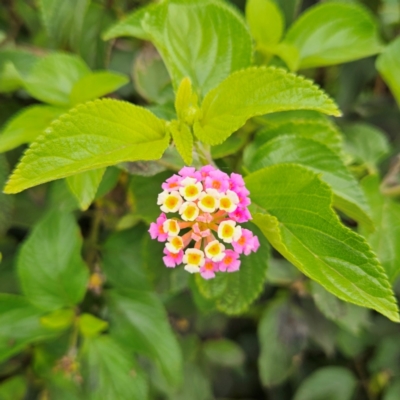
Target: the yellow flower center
(215, 249)
(171, 202)
(194, 258)
(191, 191)
(228, 231)
(208, 201)
(190, 212)
(177, 242)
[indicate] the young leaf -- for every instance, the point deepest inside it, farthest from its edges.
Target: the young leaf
(27, 125)
(348, 196)
(84, 186)
(385, 240)
(6, 202)
(106, 132)
(53, 77)
(139, 321)
(388, 65)
(294, 212)
(19, 325)
(224, 352)
(234, 292)
(110, 373)
(186, 102)
(266, 22)
(183, 139)
(52, 272)
(279, 345)
(182, 33)
(323, 384)
(91, 326)
(366, 144)
(334, 33)
(252, 92)
(96, 84)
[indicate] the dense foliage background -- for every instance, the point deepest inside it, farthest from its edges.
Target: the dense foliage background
(87, 308)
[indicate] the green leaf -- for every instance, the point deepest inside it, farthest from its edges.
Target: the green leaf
(349, 316)
(139, 321)
(53, 77)
(84, 186)
(27, 125)
(14, 388)
(15, 65)
(366, 144)
(19, 325)
(333, 383)
(96, 84)
(266, 22)
(391, 392)
(182, 33)
(294, 212)
(279, 345)
(256, 91)
(6, 202)
(151, 77)
(91, 326)
(385, 240)
(334, 33)
(63, 20)
(59, 319)
(52, 272)
(231, 146)
(224, 352)
(122, 259)
(109, 373)
(348, 196)
(234, 292)
(132, 24)
(388, 65)
(183, 139)
(106, 132)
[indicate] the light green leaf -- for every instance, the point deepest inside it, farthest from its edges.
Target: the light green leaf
(110, 373)
(333, 383)
(392, 392)
(106, 132)
(63, 20)
(349, 316)
(224, 352)
(388, 65)
(279, 345)
(151, 77)
(15, 65)
(59, 319)
(53, 77)
(266, 22)
(252, 92)
(183, 32)
(91, 326)
(385, 240)
(132, 24)
(183, 139)
(19, 325)
(294, 212)
(231, 146)
(348, 196)
(139, 321)
(52, 272)
(14, 388)
(84, 186)
(6, 202)
(96, 84)
(366, 144)
(234, 292)
(27, 125)
(122, 259)
(333, 33)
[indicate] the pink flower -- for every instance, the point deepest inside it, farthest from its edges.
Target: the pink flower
(236, 181)
(172, 183)
(156, 229)
(171, 260)
(246, 243)
(243, 194)
(205, 171)
(240, 215)
(217, 180)
(230, 263)
(209, 269)
(190, 172)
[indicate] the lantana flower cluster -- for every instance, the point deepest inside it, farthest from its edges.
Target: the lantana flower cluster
(203, 232)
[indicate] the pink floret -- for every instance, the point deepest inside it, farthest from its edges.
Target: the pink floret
(172, 183)
(205, 171)
(240, 215)
(190, 172)
(246, 243)
(236, 181)
(208, 270)
(217, 180)
(171, 260)
(230, 263)
(156, 229)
